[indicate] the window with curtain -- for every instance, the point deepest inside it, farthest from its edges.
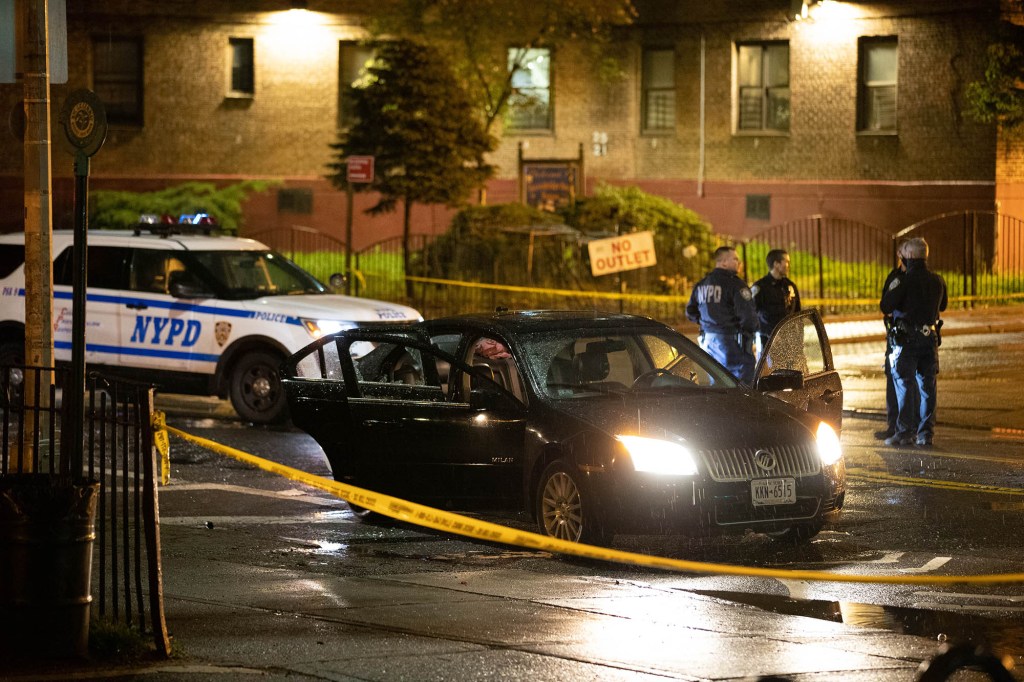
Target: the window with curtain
(876, 91)
(762, 87)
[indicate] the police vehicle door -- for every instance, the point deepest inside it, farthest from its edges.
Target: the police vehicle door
(106, 271)
(800, 345)
(158, 331)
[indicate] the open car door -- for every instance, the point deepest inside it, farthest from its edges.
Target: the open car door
(320, 382)
(796, 366)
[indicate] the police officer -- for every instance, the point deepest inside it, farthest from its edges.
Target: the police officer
(915, 301)
(723, 306)
(891, 405)
(775, 295)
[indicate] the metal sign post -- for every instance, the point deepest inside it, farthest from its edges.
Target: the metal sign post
(85, 123)
(357, 169)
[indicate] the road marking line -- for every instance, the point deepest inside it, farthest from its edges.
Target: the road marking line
(290, 494)
(966, 595)
(936, 563)
(939, 606)
(887, 558)
(881, 477)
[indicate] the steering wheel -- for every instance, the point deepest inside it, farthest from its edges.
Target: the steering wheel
(646, 380)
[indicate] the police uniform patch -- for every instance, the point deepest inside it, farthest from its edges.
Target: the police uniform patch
(745, 293)
(753, 290)
(221, 332)
(895, 283)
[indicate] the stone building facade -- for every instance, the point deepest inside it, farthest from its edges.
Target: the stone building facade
(739, 111)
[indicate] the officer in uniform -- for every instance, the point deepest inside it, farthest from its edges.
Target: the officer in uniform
(891, 405)
(915, 301)
(775, 295)
(723, 306)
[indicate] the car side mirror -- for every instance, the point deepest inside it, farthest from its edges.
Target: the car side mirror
(183, 285)
(337, 281)
(781, 380)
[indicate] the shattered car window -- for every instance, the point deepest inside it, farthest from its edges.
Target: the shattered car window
(795, 346)
(322, 363)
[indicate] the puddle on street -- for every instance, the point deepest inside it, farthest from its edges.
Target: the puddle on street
(1004, 637)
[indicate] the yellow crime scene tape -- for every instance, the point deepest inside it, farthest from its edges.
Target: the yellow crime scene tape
(672, 298)
(436, 519)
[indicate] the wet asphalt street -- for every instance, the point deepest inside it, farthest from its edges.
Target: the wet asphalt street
(268, 579)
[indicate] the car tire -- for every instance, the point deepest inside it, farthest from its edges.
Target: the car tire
(12, 373)
(797, 534)
(256, 391)
(565, 509)
(367, 516)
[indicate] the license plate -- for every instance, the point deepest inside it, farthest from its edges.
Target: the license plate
(765, 491)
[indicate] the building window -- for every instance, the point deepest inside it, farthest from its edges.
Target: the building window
(762, 87)
(117, 78)
(353, 58)
(876, 91)
(659, 90)
(529, 107)
(243, 78)
(295, 200)
(759, 206)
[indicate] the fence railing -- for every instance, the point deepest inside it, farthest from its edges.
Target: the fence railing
(118, 454)
(319, 254)
(980, 253)
(839, 265)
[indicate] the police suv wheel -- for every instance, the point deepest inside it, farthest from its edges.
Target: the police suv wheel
(256, 391)
(12, 374)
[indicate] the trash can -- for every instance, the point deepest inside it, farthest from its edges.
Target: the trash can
(47, 528)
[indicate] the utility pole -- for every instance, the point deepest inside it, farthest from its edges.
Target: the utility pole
(38, 217)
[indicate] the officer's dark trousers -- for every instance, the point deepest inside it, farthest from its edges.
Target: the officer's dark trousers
(892, 407)
(914, 365)
(726, 349)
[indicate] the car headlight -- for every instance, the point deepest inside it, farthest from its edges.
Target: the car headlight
(829, 449)
(318, 328)
(656, 456)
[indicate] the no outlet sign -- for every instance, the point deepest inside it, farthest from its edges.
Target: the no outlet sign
(359, 169)
(628, 252)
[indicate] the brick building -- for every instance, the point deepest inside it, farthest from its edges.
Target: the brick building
(736, 110)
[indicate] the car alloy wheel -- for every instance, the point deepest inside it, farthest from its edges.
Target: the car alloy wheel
(563, 509)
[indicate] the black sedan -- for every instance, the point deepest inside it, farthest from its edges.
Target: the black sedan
(596, 423)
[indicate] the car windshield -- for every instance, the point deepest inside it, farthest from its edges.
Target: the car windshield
(567, 365)
(240, 275)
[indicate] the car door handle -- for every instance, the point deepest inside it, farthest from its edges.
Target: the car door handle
(829, 395)
(137, 306)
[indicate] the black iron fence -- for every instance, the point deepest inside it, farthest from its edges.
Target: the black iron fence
(319, 254)
(117, 454)
(839, 266)
(980, 253)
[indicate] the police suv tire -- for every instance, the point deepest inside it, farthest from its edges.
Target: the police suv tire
(256, 391)
(565, 509)
(797, 534)
(12, 376)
